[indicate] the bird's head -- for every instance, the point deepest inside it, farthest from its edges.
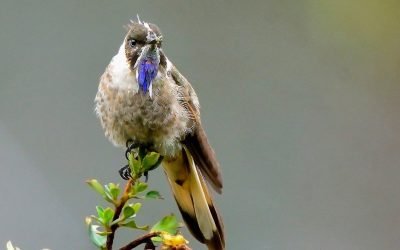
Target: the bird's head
(143, 52)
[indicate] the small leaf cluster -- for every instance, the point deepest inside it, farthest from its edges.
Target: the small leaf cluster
(109, 192)
(105, 215)
(141, 162)
(123, 211)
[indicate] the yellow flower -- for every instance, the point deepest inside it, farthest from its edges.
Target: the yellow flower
(173, 241)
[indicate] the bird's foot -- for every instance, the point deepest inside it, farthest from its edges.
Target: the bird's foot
(125, 172)
(140, 151)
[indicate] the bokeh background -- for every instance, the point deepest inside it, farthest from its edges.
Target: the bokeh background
(300, 100)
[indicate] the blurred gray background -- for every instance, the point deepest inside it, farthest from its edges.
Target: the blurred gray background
(300, 100)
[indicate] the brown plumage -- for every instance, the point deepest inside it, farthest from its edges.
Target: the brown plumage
(167, 117)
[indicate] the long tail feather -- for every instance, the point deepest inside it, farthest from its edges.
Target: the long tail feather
(194, 200)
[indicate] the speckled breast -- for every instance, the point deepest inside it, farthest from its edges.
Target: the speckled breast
(159, 120)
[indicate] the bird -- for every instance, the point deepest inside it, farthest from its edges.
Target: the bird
(143, 98)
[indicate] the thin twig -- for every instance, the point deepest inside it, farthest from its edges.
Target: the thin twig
(118, 209)
(143, 239)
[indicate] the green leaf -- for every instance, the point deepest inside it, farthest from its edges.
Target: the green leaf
(132, 193)
(137, 207)
(140, 186)
(113, 185)
(157, 239)
(150, 160)
(128, 212)
(108, 196)
(132, 224)
(107, 217)
(153, 194)
(134, 164)
(100, 211)
(94, 234)
(96, 185)
(112, 191)
(167, 224)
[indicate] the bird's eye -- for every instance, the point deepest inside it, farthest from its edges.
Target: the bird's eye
(132, 43)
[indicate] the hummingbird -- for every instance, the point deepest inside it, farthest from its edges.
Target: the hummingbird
(143, 98)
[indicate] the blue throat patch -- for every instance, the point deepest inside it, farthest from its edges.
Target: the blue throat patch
(147, 71)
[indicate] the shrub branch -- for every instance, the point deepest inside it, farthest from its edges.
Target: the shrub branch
(118, 209)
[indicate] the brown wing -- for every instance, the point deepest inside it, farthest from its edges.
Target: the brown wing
(197, 142)
(204, 157)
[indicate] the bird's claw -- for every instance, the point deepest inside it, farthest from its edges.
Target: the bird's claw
(125, 172)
